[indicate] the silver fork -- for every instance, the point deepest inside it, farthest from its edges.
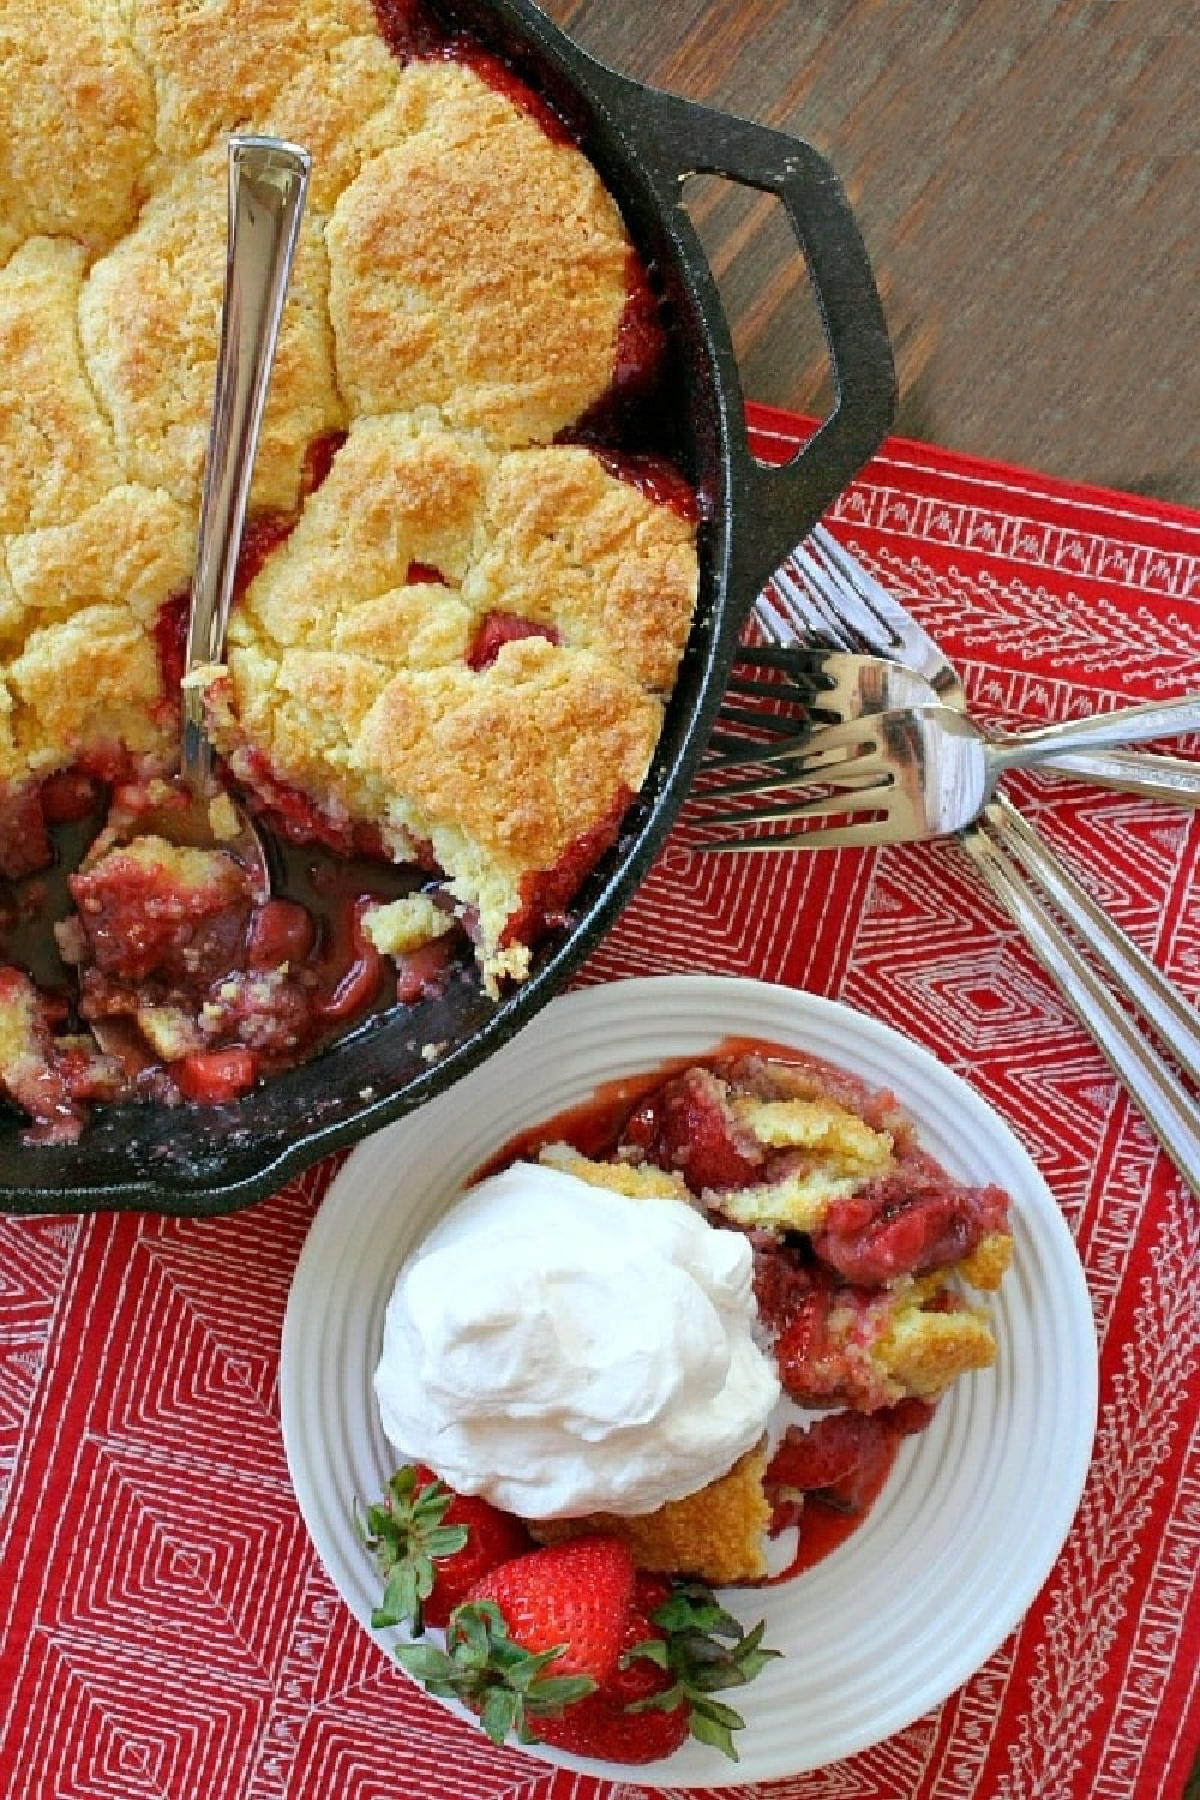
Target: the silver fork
(792, 688)
(913, 773)
(823, 595)
(994, 844)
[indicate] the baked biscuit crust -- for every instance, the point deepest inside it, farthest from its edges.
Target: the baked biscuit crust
(462, 629)
(715, 1535)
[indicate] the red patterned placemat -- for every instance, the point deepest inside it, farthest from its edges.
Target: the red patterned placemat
(165, 1629)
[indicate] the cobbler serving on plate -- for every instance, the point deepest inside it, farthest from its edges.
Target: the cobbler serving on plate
(469, 572)
(691, 1322)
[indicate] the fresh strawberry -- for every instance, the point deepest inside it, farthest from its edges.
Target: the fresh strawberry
(569, 1645)
(432, 1545)
(661, 1692)
(571, 1597)
(536, 1635)
(600, 1724)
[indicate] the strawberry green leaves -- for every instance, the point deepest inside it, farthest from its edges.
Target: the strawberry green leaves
(485, 1669)
(405, 1532)
(705, 1649)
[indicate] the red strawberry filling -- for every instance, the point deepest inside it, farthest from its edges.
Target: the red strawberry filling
(908, 1223)
(689, 1126)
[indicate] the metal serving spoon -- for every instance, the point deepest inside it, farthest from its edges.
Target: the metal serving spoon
(268, 184)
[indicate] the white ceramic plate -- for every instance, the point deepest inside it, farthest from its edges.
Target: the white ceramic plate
(967, 1528)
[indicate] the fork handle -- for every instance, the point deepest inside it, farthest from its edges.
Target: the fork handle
(1123, 725)
(1169, 1110)
(1171, 778)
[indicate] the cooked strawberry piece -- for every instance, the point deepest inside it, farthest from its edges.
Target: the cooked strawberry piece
(499, 628)
(358, 966)
(908, 1223)
(689, 1127)
(47, 1077)
(825, 1452)
(281, 931)
(213, 1077)
(70, 794)
(818, 1365)
(840, 1457)
(269, 1011)
(783, 1277)
(422, 974)
(24, 845)
(152, 909)
(809, 1368)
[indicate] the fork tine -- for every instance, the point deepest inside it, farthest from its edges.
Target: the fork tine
(845, 798)
(803, 598)
(754, 687)
(846, 574)
(830, 754)
(790, 660)
(778, 772)
(865, 835)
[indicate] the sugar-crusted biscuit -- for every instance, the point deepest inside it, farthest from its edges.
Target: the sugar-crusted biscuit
(78, 151)
(455, 307)
(131, 547)
(57, 454)
(149, 321)
(480, 274)
(396, 496)
(715, 1535)
(356, 680)
(86, 682)
(218, 65)
(503, 770)
(591, 556)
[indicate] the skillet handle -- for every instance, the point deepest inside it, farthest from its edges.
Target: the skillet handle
(774, 507)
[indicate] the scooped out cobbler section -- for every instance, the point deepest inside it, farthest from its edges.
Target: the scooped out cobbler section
(692, 1321)
(470, 565)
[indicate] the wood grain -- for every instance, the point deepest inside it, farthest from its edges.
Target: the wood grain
(1025, 174)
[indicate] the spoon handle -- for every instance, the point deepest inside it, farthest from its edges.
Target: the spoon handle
(268, 184)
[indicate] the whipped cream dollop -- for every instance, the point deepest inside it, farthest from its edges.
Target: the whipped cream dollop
(562, 1349)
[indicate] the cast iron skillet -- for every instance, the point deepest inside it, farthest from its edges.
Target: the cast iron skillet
(645, 144)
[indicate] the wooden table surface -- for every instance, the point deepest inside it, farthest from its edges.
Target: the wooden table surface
(1025, 174)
